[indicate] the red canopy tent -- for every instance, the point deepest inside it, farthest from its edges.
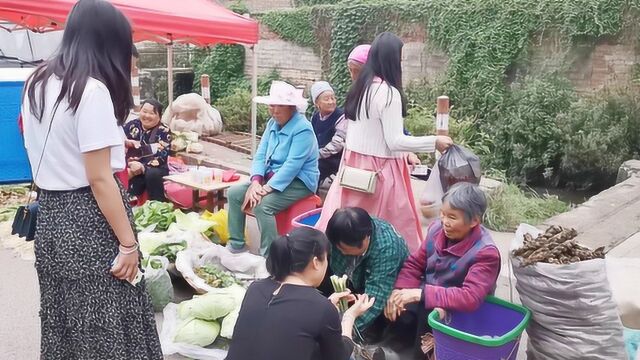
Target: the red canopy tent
(198, 22)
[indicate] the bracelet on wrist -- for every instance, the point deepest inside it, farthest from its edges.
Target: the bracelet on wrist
(129, 246)
(129, 251)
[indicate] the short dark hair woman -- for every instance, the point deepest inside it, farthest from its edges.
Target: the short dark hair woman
(72, 108)
(285, 317)
(376, 142)
(148, 144)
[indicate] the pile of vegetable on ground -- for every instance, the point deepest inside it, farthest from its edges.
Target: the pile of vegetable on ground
(215, 277)
(154, 216)
(205, 317)
(555, 246)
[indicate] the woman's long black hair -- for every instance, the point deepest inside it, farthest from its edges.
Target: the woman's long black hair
(384, 61)
(96, 43)
(292, 253)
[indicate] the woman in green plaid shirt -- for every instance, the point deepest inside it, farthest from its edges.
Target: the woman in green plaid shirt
(370, 252)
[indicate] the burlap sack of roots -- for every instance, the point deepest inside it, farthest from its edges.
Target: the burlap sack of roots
(574, 314)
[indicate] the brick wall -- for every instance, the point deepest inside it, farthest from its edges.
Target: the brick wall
(419, 62)
(589, 68)
(297, 64)
(262, 5)
(302, 66)
(609, 63)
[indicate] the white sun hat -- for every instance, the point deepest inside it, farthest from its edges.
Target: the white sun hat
(282, 93)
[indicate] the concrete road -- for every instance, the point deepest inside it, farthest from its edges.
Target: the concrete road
(19, 303)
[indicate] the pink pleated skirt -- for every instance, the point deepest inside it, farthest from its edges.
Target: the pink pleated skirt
(393, 200)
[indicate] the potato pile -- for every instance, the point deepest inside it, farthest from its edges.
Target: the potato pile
(555, 246)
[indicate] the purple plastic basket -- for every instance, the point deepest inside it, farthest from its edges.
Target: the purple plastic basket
(308, 219)
(490, 333)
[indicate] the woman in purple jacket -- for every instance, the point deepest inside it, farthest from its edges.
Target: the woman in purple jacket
(456, 267)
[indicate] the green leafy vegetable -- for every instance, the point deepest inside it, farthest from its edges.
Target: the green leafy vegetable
(215, 277)
(154, 215)
(169, 250)
(155, 264)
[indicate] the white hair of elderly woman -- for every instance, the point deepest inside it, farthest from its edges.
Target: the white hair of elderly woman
(190, 112)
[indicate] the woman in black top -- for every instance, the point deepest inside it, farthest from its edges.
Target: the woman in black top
(285, 317)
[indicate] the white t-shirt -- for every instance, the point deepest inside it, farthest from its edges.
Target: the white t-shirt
(92, 127)
(381, 133)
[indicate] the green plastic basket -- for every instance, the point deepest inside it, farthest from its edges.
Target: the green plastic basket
(487, 310)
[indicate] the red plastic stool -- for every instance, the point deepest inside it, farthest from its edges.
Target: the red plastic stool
(284, 218)
(141, 199)
(182, 196)
(123, 176)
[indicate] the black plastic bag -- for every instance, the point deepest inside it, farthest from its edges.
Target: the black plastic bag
(459, 164)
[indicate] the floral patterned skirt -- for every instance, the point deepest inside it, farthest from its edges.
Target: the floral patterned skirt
(85, 312)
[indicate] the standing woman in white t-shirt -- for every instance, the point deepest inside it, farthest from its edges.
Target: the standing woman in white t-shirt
(73, 107)
(376, 142)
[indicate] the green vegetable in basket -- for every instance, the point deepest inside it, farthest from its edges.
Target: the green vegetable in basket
(169, 250)
(215, 277)
(211, 306)
(154, 215)
(197, 332)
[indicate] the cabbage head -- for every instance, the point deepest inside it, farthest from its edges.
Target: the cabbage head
(197, 332)
(210, 306)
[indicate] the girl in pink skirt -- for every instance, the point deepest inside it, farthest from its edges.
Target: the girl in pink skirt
(376, 142)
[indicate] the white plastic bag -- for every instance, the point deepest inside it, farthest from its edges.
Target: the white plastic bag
(574, 316)
(169, 326)
(244, 266)
(431, 199)
(159, 283)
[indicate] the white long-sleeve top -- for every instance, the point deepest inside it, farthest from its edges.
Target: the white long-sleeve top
(381, 133)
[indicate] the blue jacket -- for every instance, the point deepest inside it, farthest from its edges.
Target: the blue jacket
(289, 152)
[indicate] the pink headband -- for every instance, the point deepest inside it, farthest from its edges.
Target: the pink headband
(360, 53)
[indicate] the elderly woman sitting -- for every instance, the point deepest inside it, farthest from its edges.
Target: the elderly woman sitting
(455, 269)
(148, 143)
(284, 170)
(330, 127)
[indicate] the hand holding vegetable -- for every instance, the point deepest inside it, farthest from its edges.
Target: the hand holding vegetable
(346, 295)
(340, 286)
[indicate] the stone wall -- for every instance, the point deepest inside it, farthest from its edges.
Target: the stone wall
(297, 64)
(609, 63)
(261, 5)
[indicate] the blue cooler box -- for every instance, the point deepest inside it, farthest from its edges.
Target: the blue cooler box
(14, 165)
